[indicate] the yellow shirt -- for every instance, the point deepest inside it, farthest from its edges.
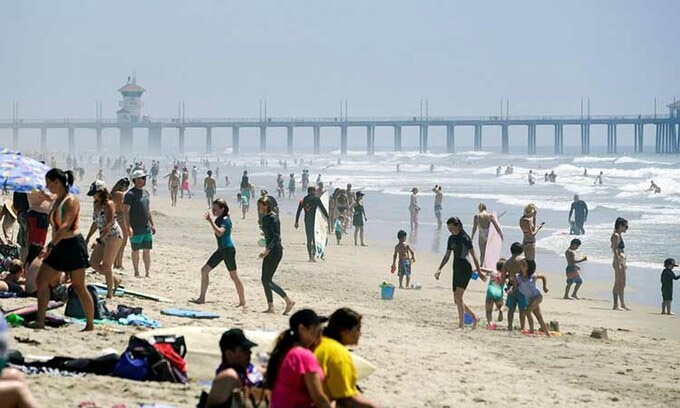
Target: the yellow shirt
(336, 362)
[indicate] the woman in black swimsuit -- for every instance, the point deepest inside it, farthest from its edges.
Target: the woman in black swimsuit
(619, 262)
(66, 252)
(359, 217)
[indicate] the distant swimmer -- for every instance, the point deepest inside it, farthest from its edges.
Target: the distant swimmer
(530, 178)
(431, 168)
(552, 176)
(585, 172)
(598, 180)
(579, 209)
(655, 188)
(398, 170)
(499, 169)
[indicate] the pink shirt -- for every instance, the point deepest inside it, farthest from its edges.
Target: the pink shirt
(290, 389)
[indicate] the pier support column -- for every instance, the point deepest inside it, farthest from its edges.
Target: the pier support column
(675, 145)
(235, 140)
(100, 141)
(423, 139)
(289, 144)
(155, 140)
(317, 139)
(182, 139)
(657, 145)
(72, 140)
(43, 140)
(208, 140)
(531, 139)
(263, 139)
(585, 138)
(370, 140)
(397, 138)
(15, 138)
(343, 140)
(478, 137)
(559, 139)
(505, 139)
(450, 139)
(611, 138)
(639, 137)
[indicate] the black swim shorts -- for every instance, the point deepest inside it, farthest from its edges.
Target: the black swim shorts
(228, 255)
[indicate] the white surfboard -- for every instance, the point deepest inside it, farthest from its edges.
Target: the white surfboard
(494, 245)
(203, 349)
(321, 228)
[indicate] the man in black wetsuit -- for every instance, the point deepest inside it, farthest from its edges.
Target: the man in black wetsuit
(310, 204)
(580, 210)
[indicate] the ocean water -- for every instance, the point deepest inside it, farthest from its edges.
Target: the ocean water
(469, 177)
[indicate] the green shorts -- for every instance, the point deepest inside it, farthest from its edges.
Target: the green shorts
(141, 240)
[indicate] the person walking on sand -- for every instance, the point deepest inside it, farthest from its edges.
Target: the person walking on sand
(667, 278)
(310, 203)
(461, 245)
(173, 185)
(272, 254)
(438, 198)
(291, 186)
(414, 209)
(619, 262)
(185, 184)
(359, 217)
(528, 226)
(406, 258)
(226, 251)
(483, 221)
(117, 194)
(110, 239)
(573, 275)
(139, 221)
(210, 187)
(66, 252)
(580, 210)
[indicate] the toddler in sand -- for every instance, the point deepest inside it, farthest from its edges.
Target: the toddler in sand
(667, 278)
(339, 227)
(406, 258)
(494, 293)
(573, 275)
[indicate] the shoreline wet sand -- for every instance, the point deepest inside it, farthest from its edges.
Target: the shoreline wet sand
(421, 361)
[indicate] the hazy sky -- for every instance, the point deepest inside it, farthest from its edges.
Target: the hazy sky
(221, 57)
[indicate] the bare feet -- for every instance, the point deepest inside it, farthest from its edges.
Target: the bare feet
(89, 327)
(363, 244)
(289, 307)
(243, 305)
(269, 310)
(198, 301)
(566, 297)
(575, 297)
(474, 324)
(459, 328)
(625, 308)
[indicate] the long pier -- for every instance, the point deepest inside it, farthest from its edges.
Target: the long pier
(667, 130)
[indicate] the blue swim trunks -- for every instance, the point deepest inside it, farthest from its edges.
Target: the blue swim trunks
(515, 299)
(404, 267)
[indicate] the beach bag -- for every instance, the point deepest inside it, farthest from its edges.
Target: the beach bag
(74, 308)
(131, 368)
(160, 368)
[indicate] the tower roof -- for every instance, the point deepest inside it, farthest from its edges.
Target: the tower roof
(131, 87)
(675, 105)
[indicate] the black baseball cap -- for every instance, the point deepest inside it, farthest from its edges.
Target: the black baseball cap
(235, 338)
(669, 261)
(306, 317)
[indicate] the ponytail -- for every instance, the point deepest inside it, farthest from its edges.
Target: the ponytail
(284, 343)
(69, 178)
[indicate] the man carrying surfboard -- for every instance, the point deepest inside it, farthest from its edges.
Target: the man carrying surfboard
(310, 203)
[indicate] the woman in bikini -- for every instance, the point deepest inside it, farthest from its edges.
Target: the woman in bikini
(66, 252)
(105, 250)
(483, 221)
(117, 193)
(529, 230)
(619, 262)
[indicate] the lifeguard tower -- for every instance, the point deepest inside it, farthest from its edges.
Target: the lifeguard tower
(131, 106)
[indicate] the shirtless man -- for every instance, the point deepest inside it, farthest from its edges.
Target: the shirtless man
(483, 221)
(528, 226)
(438, 198)
(209, 187)
(516, 264)
(173, 185)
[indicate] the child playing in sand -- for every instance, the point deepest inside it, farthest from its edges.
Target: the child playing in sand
(527, 286)
(667, 278)
(339, 227)
(573, 269)
(494, 293)
(406, 258)
(244, 203)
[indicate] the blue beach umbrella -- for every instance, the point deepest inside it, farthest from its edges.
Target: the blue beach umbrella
(21, 173)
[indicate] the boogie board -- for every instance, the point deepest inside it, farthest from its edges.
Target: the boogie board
(192, 314)
(321, 228)
(27, 311)
(135, 293)
(203, 350)
(494, 245)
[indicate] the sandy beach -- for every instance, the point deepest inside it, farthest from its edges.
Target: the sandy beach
(421, 361)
